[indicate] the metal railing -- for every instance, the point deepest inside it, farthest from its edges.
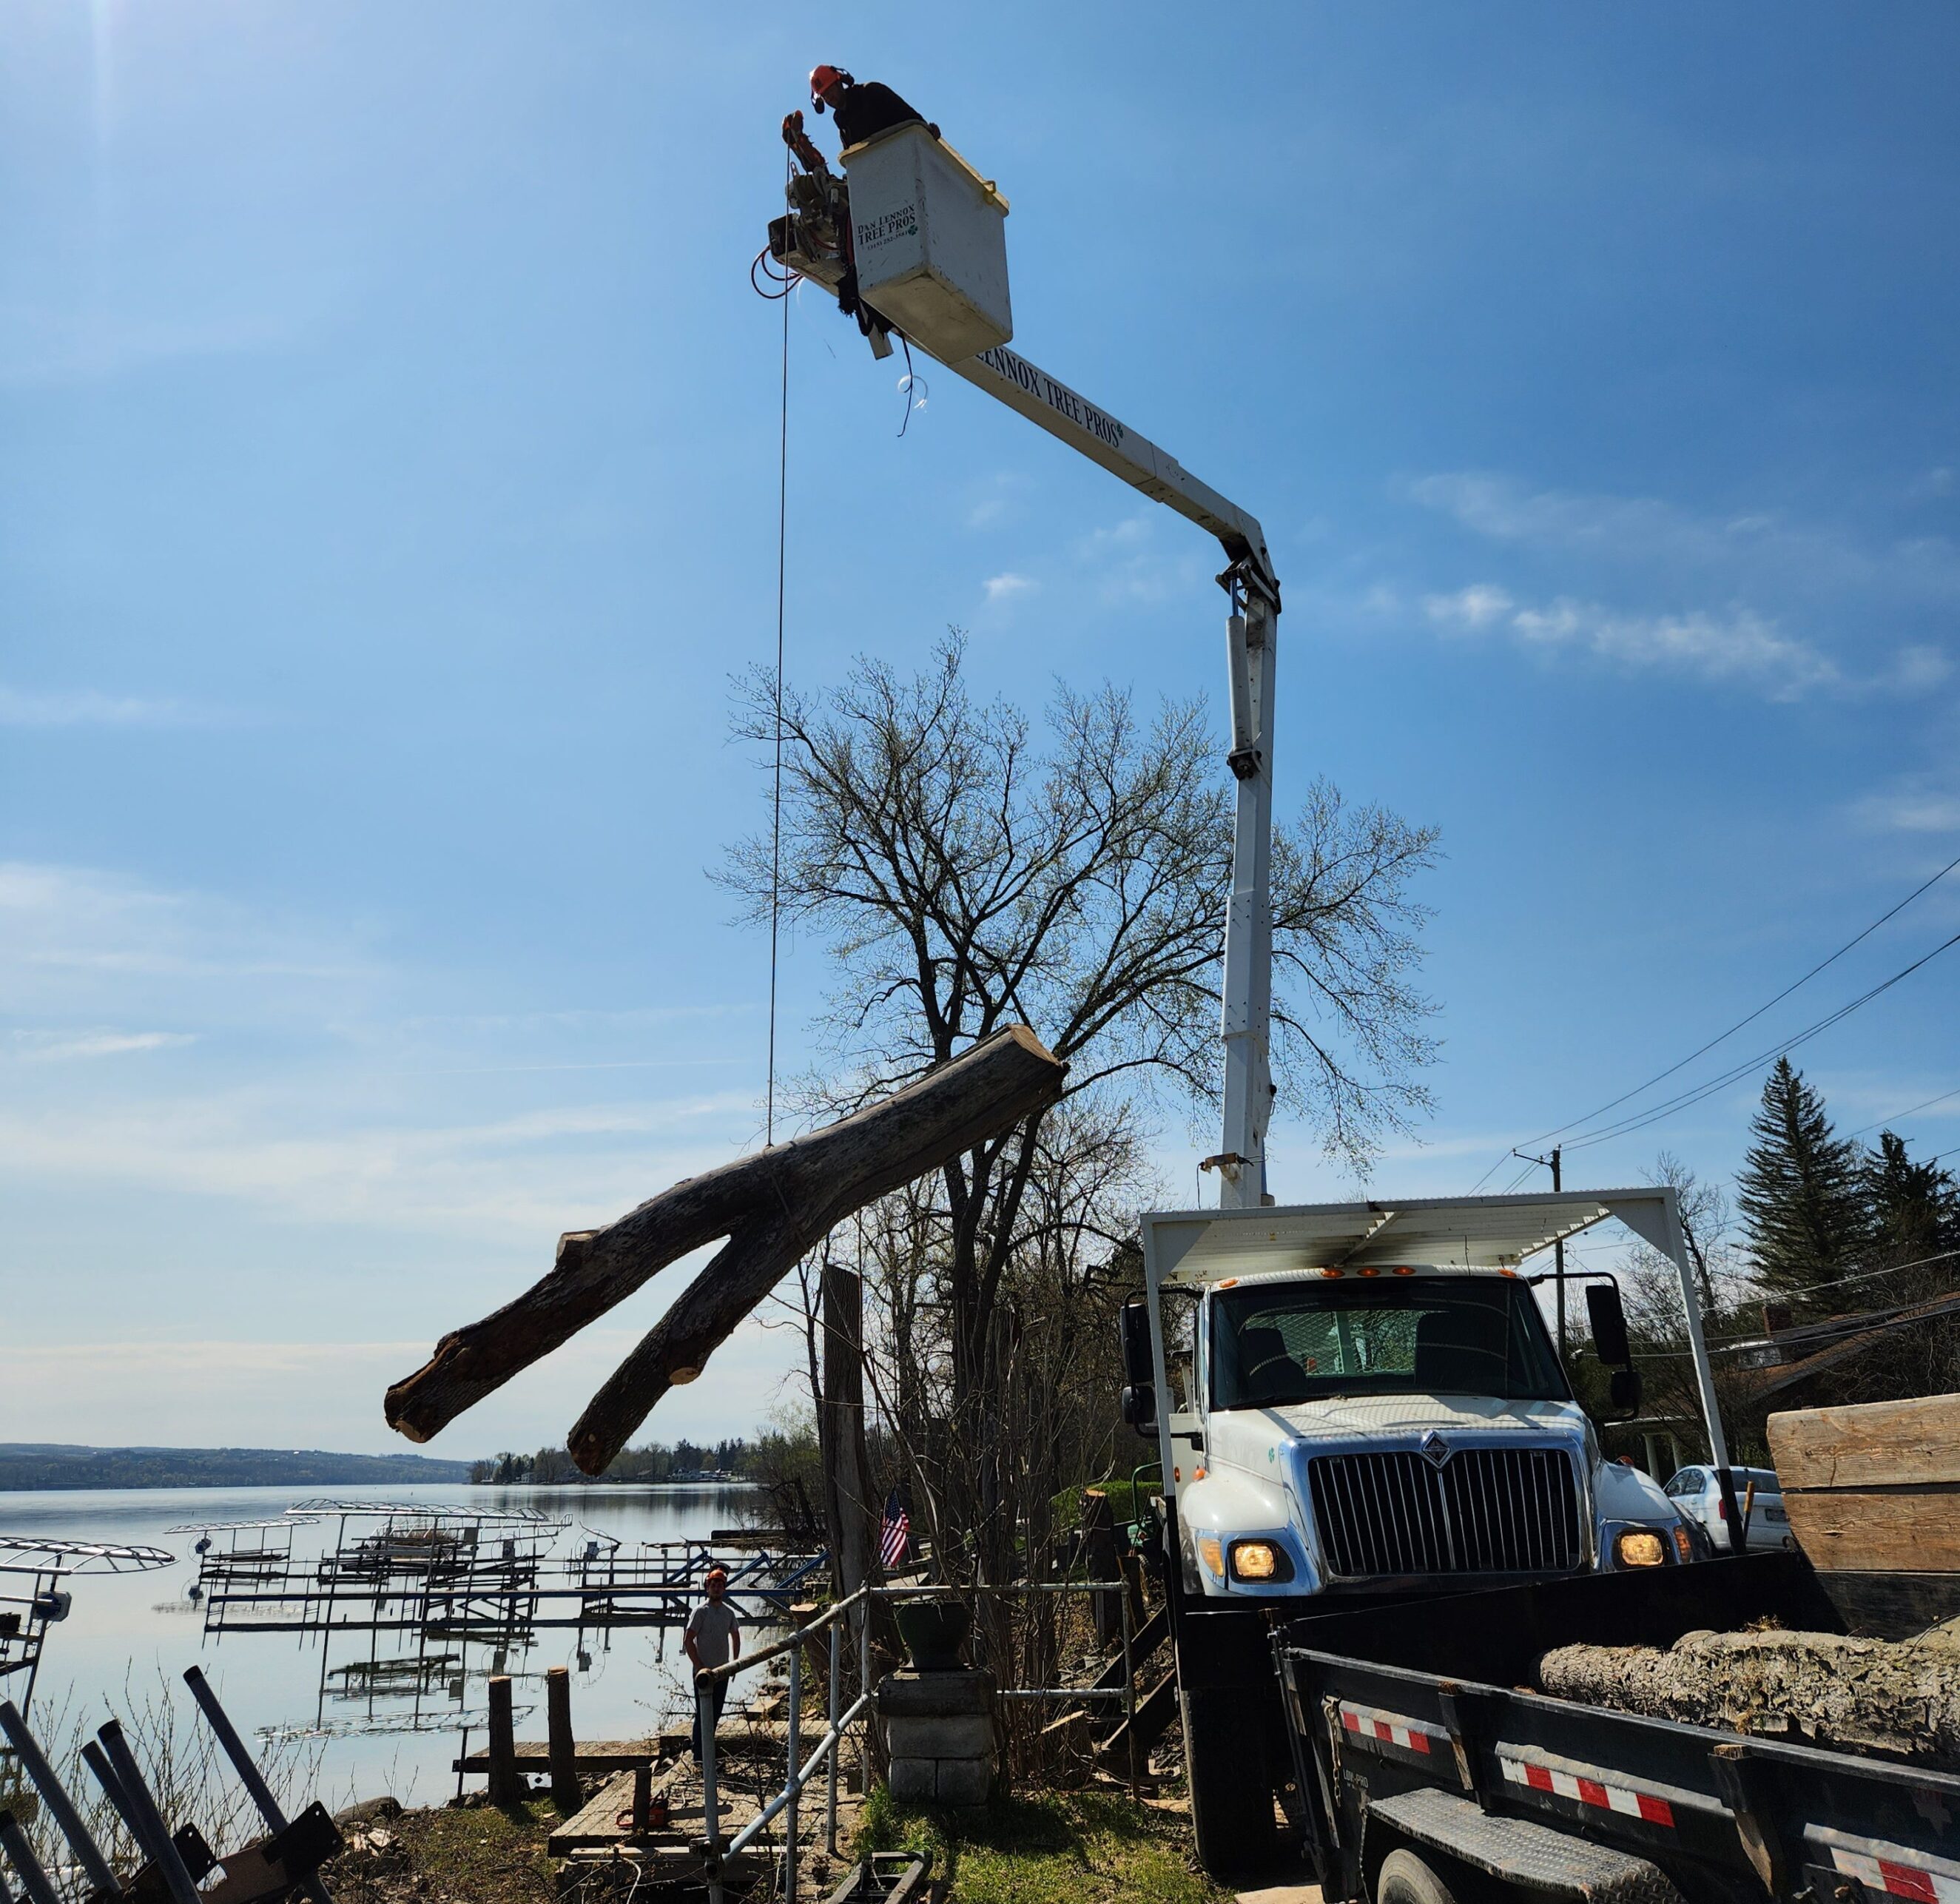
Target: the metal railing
(786, 1803)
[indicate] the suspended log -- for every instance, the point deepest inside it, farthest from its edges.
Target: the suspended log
(772, 1207)
(1900, 1699)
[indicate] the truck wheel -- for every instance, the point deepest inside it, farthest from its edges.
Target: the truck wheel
(1231, 1789)
(1405, 1879)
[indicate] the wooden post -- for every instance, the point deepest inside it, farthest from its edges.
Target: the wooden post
(848, 1507)
(1099, 1556)
(643, 1801)
(566, 1793)
(507, 1783)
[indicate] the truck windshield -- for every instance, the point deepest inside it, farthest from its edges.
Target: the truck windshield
(1280, 1343)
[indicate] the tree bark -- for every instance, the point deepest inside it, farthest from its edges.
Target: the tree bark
(1855, 1695)
(772, 1206)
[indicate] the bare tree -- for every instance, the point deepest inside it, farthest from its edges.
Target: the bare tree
(965, 874)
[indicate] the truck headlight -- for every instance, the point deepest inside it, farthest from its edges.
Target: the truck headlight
(1639, 1547)
(1255, 1560)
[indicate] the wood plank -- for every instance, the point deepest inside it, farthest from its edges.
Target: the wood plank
(1895, 1531)
(1914, 1444)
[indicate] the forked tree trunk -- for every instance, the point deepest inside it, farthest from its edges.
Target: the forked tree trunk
(772, 1207)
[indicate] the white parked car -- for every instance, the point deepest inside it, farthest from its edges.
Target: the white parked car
(1696, 1494)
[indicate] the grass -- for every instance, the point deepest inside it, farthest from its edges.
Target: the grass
(1076, 1847)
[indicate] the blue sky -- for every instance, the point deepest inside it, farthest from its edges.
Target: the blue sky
(387, 461)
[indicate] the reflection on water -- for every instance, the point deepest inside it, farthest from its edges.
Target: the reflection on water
(388, 1706)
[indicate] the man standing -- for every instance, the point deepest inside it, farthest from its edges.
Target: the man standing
(714, 1638)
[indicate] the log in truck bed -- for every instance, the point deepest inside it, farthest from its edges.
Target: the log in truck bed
(1424, 1775)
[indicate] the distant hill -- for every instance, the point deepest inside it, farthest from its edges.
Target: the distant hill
(53, 1464)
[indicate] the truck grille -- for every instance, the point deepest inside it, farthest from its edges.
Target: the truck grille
(1485, 1510)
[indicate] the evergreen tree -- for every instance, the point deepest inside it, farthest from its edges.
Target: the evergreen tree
(1914, 1209)
(1801, 1192)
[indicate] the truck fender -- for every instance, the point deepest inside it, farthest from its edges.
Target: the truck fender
(1228, 1505)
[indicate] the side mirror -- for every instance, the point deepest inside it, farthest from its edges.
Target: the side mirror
(1140, 1407)
(1626, 1391)
(1609, 1322)
(1134, 1327)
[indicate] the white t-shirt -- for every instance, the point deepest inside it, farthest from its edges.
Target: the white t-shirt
(712, 1626)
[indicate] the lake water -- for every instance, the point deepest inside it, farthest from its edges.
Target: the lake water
(141, 1630)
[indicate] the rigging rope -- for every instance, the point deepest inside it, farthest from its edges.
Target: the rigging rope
(776, 790)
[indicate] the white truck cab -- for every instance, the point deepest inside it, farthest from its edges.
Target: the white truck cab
(1391, 1425)
(1363, 1400)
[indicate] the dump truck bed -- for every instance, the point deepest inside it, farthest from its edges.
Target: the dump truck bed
(1409, 1729)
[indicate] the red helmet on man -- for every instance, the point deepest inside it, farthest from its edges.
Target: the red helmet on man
(821, 78)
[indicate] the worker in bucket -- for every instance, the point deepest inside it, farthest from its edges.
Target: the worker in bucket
(714, 1638)
(863, 110)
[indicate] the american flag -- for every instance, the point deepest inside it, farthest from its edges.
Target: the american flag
(897, 1534)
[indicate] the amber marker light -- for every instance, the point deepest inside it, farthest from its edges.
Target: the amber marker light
(1403, 1269)
(1212, 1553)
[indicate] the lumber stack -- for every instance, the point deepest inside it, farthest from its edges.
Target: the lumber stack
(773, 1207)
(1873, 1496)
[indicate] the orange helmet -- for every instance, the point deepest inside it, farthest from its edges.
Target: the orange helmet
(821, 78)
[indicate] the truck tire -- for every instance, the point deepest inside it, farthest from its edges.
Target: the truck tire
(1405, 1879)
(1231, 1786)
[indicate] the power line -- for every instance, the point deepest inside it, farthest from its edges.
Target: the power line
(1899, 1117)
(1614, 1102)
(1626, 1125)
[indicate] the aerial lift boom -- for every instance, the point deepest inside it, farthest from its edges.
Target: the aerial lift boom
(811, 240)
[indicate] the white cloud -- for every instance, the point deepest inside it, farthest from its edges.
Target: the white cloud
(1474, 607)
(1737, 645)
(52, 1048)
(1134, 563)
(1006, 587)
(515, 1179)
(1914, 807)
(85, 708)
(81, 935)
(1647, 530)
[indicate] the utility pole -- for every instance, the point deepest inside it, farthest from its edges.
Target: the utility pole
(1558, 1248)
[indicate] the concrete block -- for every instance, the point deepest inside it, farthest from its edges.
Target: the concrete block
(914, 1781)
(935, 1695)
(965, 1781)
(964, 1735)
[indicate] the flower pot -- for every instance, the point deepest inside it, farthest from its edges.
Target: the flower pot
(933, 1631)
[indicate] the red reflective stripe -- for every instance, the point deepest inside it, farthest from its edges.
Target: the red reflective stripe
(1907, 1880)
(1656, 1811)
(1537, 1777)
(1418, 1741)
(1352, 1720)
(1594, 1793)
(1384, 1730)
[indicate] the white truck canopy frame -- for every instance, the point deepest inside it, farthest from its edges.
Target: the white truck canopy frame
(1193, 1248)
